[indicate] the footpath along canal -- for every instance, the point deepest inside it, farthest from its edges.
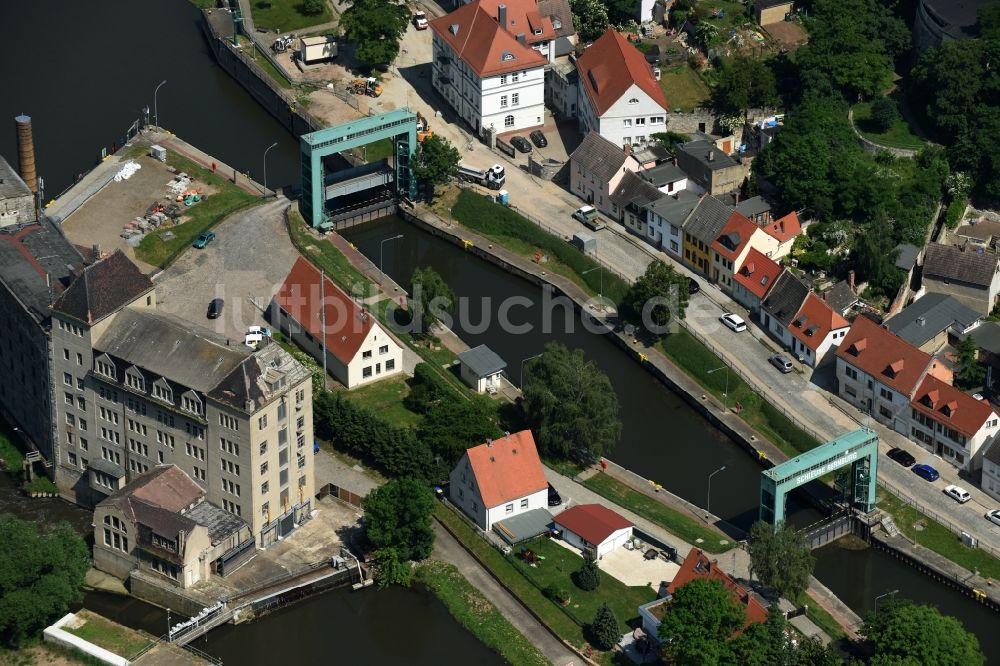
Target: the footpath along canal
(663, 438)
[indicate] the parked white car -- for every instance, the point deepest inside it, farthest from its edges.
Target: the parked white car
(733, 321)
(993, 516)
(254, 336)
(960, 495)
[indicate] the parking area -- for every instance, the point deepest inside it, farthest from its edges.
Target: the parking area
(101, 219)
(562, 137)
(245, 265)
(632, 568)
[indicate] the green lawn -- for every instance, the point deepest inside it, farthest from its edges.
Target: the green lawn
(121, 640)
(734, 10)
(683, 88)
(385, 398)
(11, 448)
(505, 227)
(379, 150)
(205, 214)
(475, 612)
(556, 568)
(268, 67)
(697, 360)
(673, 521)
(327, 257)
(935, 536)
(286, 15)
(899, 135)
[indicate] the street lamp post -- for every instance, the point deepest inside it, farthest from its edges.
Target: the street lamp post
(380, 246)
(600, 294)
(156, 111)
(887, 594)
(265, 166)
(522, 367)
(725, 396)
(708, 501)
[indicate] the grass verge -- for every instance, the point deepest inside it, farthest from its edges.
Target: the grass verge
(521, 236)
(385, 398)
(286, 15)
(324, 254)
(41, 484)
(37, 652)
(821, 618)
(685, 90)
(10, 449)
(688, 353)
(898, 136)
(475, 612)
(205, 214)
(104, 633)
(271, 70)
(935, 536)
(669, 519)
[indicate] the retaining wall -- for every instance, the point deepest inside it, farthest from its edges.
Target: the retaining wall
(56, 634)
(164, 596)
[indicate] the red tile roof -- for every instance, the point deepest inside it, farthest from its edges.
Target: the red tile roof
(883, 355)
(482, 44)
(733, 237)
(593, 523)
(785, 228)
(758, 273)
(523, 18)
(949, 406)
(610, 67)
(347, 325)
(697, 565)
(814, 320)
(507, 469)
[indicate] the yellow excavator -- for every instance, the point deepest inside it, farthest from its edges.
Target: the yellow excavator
(423, 128)
(369, 86)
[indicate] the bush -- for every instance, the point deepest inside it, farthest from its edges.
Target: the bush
(885, 113)
(605, 630)
(588, 577)
(557, 594)
(955, 211)
(312, 7)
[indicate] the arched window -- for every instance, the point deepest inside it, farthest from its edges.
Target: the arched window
(508, 121)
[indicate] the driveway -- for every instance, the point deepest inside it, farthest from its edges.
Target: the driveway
(245, 265)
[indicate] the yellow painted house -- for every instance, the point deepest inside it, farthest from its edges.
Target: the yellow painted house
(700, 231)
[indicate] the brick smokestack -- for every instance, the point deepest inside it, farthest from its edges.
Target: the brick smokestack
(26, 152)
(850, 280)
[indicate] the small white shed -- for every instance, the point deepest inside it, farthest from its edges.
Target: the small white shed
(481, 369)
(593, 527)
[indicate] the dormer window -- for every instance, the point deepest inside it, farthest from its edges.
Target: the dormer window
(191, 403)
(634, 100)
(950, 409)
(162, 390)
(858, 346)
(556, 24)
(811, 331)
(134, 379)
(103, 365)
(538, 31)
(507, 55)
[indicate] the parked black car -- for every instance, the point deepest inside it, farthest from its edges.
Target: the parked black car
(693, 286)
(554, 498)
(538, 139)
(901, 456)
(521, 144)
(215, 308)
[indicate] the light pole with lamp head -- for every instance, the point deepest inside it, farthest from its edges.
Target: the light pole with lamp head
(380, 246)
(265, 166)
(522, 367)
(891, 593)
(708, 501)
(725, 396)
(600, 294)
(156, 111)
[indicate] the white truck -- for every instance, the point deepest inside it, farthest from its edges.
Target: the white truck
(493, 178)
(317, 49)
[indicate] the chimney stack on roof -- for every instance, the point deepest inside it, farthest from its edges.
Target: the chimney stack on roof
(711, 155)
(502, 16)
(26, 152)
(850, 279)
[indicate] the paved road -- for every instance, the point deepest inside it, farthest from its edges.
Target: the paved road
(447, 549)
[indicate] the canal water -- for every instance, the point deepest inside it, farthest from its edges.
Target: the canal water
(99, 67)
(662, 438)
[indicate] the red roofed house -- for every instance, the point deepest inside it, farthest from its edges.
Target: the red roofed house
(730, 248)
(619, 98)
(499, 480)
(358, 349)
(754, 279)
(815, 329)
(782, 233)
(593, 527)
(698, 566)
(879, 372)
(489, 63)
(951, 424)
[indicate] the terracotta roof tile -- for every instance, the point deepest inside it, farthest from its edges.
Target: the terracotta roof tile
(734, 236)
(874, 350)
(592, 522)
(347, 325)
(814, 321)
(698, 566)
(476, 37)
(507, 468)
(758, 273)
(610, 66)
(103, 288)
(949, 406)
(784, 228)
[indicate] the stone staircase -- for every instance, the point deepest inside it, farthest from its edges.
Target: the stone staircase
(889, 525)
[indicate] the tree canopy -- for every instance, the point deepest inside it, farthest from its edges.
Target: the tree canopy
(744, 83)
(969, 373)
(436, 163)
(698, 623)
(41, 575)
(570, 405)
(906, 633)
(590, 18)
(454, 425)
(780, 558)
(655, 299)
(375, 28)
(605, 629)
(433, 297)
(398, 517)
